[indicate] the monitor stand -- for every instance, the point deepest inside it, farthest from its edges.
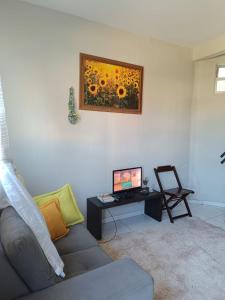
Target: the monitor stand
(152, 208)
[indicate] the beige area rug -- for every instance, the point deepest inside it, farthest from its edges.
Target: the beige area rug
(186, 259)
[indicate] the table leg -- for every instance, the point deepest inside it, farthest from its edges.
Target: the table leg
(153, 208)
(94, 220)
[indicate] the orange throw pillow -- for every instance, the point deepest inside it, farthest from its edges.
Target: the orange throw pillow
(54, 220)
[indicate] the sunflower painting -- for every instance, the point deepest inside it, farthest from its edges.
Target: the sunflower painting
(108, 85)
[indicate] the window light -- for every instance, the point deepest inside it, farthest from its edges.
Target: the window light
(220, 79)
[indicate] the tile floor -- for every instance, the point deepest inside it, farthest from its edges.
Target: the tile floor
(211, 214)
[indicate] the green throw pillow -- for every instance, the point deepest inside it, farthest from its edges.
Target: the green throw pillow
(68, 205)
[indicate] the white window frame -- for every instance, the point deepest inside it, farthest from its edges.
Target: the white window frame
(219, 79)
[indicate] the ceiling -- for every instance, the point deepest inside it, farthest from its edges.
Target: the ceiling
(183, 22)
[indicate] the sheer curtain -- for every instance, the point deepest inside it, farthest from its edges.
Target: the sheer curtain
(21, 200)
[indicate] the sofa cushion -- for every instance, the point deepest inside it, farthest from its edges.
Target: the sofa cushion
(24, 251)
(11, 284)
(84, 261)
(120, 280)
(54, 220)
(78, 239)
(68, 204)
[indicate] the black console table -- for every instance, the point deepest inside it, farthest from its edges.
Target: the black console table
(153, 208)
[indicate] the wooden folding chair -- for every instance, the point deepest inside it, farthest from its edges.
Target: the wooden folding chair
(175, 195)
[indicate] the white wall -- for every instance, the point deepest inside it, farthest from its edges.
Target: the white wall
(39, 61)
(210, 48)
(207, 175)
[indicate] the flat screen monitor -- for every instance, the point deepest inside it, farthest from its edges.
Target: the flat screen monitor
(127, 179)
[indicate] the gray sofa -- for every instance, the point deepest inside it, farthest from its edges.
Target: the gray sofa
(90, 273)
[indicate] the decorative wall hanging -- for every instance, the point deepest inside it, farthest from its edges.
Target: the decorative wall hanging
(109, 85)
(73, 117)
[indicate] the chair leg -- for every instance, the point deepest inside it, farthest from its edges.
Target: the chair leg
(176, 203)
(187, 206)
(168, 210)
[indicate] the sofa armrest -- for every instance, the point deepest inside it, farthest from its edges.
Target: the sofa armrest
(122, 279)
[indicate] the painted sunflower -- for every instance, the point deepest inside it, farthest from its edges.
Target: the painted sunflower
(136, 85)
(121, 92)
(89, 67)
(93, 89)
(102, 81)
(87, 73)
(95, 71)
(116, 77)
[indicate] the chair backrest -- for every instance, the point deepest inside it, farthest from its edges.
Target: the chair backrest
(164, 169)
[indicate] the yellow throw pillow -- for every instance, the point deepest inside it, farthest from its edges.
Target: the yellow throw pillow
(68, 205)
(54, 220)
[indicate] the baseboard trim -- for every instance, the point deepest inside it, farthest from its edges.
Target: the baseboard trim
(218, 204)
(123, 216)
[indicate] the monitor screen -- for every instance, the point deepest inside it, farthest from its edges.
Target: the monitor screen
(127, 179)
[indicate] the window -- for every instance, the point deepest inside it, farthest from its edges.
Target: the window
(220, 79)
